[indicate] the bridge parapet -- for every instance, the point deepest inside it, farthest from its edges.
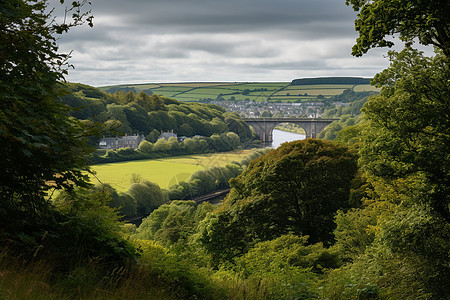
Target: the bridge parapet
(264, 126)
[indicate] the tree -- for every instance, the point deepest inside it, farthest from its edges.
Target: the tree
(427, 21)
(409, 124)
(123, 203)
(405, 153)
(404, 148)
(185, 130)
(146, 147)
(148, 196)
(231, 139)
(153, 136)
(296, 188)
(144, 100)
(162, 145)
(206, 183)
(88, 228)
(42, 146)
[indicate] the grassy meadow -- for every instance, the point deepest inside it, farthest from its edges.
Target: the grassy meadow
(165, 172)
(256, 91)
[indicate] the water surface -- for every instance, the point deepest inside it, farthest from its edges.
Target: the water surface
(280, 137)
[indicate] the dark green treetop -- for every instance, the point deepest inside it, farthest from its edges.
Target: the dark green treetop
(296, 188)
(427, 20)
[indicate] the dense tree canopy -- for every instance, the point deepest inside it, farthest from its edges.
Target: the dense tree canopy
(296, 188)
(404, 151)
(409, 122)
(42, 147)
(427, 20)
(141, 113)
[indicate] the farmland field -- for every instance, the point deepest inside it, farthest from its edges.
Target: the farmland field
(257, 91)
(365, 87)
(165, 172)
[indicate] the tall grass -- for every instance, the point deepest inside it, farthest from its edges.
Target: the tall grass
(159, 275)
(37, 280)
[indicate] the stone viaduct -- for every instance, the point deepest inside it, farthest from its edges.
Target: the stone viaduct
(264, 126)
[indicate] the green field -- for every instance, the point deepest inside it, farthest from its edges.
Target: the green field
(271, 91)
(165, 172)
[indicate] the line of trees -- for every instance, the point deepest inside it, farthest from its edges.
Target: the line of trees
(170, 147)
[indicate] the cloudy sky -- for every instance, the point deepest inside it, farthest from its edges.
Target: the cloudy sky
(140, 41)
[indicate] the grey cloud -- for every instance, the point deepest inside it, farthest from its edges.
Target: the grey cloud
(232, 40)
(223, 16)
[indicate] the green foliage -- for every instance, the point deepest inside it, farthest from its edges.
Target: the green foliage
(162, 145)
(354, 231)
(210, 180)
(411, 239)
(290, 266)
(185, 281)
(153, 114)
(171, 147)
(89, 228)
(41, 144)
(354, 281)
(123, 203)
(349, 115)
(351, 135)
(285, 253)
(148, 196)
(425, 20)
(173, 222)
(296, 188)
(44, 149)
(153, 136)
(409, 129)
(146, 147)
(349, 96)
(404, 152)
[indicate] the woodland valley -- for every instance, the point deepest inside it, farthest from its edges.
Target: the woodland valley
(361, 212)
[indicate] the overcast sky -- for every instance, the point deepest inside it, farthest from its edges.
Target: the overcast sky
(140, 41)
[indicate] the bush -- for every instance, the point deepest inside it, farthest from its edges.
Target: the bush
(88, 228)
(173, 222)
(145, 147)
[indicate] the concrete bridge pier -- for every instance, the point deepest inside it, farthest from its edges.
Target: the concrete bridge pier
(264, 130)
(312, 129)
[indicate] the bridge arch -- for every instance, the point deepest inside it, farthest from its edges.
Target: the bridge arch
(264, 126)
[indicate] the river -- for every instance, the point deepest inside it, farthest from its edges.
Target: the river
(280, 136)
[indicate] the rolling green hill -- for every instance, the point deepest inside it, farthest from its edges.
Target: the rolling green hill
(152, 115)
(308, 89)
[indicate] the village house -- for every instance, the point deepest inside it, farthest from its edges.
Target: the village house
(114, 143)
(167, 135)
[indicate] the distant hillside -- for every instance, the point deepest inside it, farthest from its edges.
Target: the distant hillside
(206, 92)
(331, 80)
(152, 115)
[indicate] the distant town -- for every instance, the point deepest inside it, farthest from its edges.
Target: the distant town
(260, 109)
